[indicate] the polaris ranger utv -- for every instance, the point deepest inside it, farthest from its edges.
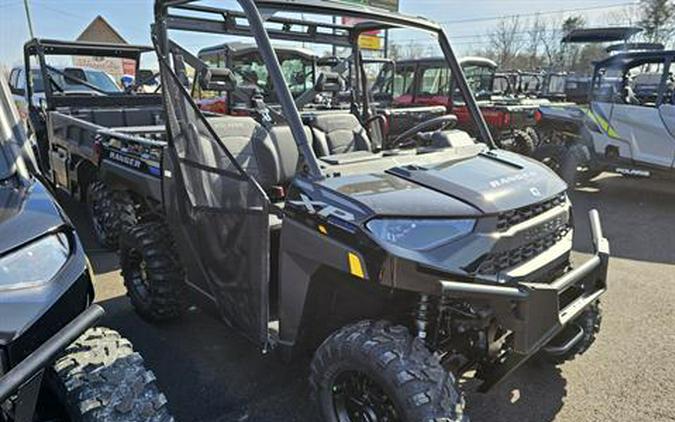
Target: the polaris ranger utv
(399, 270)
(54, 365)
(76, 114)
(628, 128)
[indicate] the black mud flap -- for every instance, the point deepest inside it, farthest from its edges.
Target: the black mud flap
(217, 214)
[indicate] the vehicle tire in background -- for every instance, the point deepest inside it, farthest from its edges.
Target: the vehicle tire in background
(100, 378)
(110, 212)
(153, 274)
(523, 143)
(378, 371)
(569, 162)
(589, 321)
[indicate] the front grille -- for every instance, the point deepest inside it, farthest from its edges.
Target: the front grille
(495, 263)
(508, 219)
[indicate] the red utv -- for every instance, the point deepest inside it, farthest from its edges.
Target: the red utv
(428, 82)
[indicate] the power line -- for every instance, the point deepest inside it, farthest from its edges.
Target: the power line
(534, 14)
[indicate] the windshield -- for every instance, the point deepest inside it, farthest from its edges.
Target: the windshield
(97, 78)
(479, 78)
(249, 69)
(556, 84)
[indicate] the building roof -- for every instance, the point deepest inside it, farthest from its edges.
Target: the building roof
(100, 30)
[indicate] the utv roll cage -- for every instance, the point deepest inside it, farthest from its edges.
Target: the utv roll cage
(40, 48)
(263, 30)
(624, 61)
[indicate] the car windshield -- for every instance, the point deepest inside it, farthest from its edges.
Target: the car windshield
(97, 78)
(556, 84)
(479, 78)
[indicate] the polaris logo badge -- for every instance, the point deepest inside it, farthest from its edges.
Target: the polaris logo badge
(535, 192)
(322, 209)
(520, 177)
(131, 162)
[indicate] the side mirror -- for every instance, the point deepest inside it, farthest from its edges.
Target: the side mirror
(217, 79)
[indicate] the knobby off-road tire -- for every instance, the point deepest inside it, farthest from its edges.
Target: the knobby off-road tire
(523, 142)
(100, 378)
(569, 163)
(590, 321)
(110, 211)
(153, 274)
(395, 365)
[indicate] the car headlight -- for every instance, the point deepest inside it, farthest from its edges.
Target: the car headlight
(418, 234)
(34, 264)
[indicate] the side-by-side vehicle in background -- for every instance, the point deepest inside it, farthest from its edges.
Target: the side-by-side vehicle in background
(428, 82)
(82, 122)
(628, 127)
(54, 364)
(299, 66)
(399, 269)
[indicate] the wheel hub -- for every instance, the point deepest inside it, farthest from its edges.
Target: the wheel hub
(358, 398)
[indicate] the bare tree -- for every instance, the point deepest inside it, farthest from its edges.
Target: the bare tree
(657, 18)
(505, 40)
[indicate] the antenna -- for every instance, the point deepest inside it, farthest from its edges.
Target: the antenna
(28, 17)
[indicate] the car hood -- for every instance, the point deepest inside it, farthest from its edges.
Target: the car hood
(487, 183)
(26, 212)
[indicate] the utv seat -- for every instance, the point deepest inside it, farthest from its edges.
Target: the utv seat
(338, 133)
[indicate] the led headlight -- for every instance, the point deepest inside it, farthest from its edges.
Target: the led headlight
(34, 264)
(418, 234)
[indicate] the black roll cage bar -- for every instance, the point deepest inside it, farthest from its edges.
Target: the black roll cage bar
(227, 22)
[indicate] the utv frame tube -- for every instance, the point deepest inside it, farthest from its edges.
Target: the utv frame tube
(47, 352)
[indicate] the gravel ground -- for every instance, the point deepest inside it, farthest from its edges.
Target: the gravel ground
(209, 373)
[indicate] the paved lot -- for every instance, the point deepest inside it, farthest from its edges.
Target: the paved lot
(211, 374)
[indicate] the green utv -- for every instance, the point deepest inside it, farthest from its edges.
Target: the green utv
(400, 270)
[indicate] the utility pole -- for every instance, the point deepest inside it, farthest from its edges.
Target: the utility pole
(29, 18)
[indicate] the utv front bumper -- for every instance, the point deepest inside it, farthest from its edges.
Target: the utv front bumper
(536, 312)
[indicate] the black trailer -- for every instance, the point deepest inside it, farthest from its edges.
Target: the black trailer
(400, 270)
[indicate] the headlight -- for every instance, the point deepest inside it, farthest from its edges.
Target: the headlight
(419, 235)
(34, 264)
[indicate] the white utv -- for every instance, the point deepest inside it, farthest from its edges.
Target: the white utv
(628, 127)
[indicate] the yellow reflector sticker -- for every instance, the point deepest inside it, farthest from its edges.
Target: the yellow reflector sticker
(323, 229)
(355, 266)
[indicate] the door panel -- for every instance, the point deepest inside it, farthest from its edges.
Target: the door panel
(218, 217)
(643, 128)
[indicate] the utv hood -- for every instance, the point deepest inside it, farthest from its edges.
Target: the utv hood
(486, 183)
(26, 213)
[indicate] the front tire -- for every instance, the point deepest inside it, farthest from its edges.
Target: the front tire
(100, 378)
(152, 272)
(523, 142)
(378, 371)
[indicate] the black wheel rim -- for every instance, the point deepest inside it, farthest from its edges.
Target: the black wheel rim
(552, 163)
(358, 398)
(137, 275)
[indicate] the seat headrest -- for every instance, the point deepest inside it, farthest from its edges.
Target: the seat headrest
(217, 79)
(330, 82)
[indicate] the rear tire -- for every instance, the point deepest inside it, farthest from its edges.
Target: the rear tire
(110, 212)
(153, 274)
(393, 374)
(100, 378)
(523, 142)
(589, 321)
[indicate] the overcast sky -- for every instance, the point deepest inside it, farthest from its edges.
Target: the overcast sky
(466, 22)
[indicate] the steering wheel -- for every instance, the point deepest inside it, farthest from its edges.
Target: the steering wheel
(437, 124)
